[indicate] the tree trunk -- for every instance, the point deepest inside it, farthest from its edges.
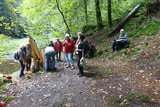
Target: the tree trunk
(110, 13)
(36, 53)
(85, 9)
(120, 25)
(58, 7)
(98, 15)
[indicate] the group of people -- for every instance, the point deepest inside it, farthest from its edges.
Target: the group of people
(69, 47)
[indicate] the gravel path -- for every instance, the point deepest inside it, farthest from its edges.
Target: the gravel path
(49, 89)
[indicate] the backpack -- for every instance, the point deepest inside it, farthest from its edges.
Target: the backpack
(16, 56)
(86, 47)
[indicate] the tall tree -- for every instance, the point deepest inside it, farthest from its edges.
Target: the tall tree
(110, 13)
(98, 15)
(85, 8)
(58, 7)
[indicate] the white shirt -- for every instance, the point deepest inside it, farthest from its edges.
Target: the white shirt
(49, 49)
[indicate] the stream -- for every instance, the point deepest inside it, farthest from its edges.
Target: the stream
(8, 65)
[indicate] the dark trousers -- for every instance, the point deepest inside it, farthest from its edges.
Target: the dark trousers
(118, 44)
(22, 68)
(78, 64)
(28, 64)
(58, 55)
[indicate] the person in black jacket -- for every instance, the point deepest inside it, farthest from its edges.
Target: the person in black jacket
(80, 53)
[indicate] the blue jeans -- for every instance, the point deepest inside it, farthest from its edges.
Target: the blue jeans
(22, 69)
(69, 59)
(47, 57)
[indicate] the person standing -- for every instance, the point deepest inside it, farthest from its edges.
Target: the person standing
(51, 44)
(80, 54)
(28, 58)
(21, 54)
(49, 54)
(58, 49)
(68, 49)
(78, 39)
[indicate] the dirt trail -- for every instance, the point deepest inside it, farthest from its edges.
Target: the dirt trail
(49, 89)
(65, 89)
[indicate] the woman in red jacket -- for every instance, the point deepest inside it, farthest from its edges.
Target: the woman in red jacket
(58, 49)
(68, 49)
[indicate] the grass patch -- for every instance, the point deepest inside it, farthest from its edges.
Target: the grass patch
(146, 27)
(122, 51)
(129, 98)
(10, 46)
(144, 98)
(116, 100)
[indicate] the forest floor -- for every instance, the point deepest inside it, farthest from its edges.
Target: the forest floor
(129, 78)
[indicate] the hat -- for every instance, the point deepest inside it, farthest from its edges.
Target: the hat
(122, 30)
(67, 35)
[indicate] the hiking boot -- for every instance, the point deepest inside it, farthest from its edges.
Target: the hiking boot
(78, 73)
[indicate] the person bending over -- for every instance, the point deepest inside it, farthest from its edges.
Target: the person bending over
(49, 54)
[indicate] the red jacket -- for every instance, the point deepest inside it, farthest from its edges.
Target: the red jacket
(68, 47)
(58, 48)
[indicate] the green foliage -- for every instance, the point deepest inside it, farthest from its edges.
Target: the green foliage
(144, 98)
(116, 101)
(142, 25)
(41, 17)
(122, 51)
(99, 52)
(8, 98)
(28, 77)
(130, 98)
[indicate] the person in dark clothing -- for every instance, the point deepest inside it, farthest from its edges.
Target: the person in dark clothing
(51, 44)
(121, 42)
(80, 54)
(21, 54)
